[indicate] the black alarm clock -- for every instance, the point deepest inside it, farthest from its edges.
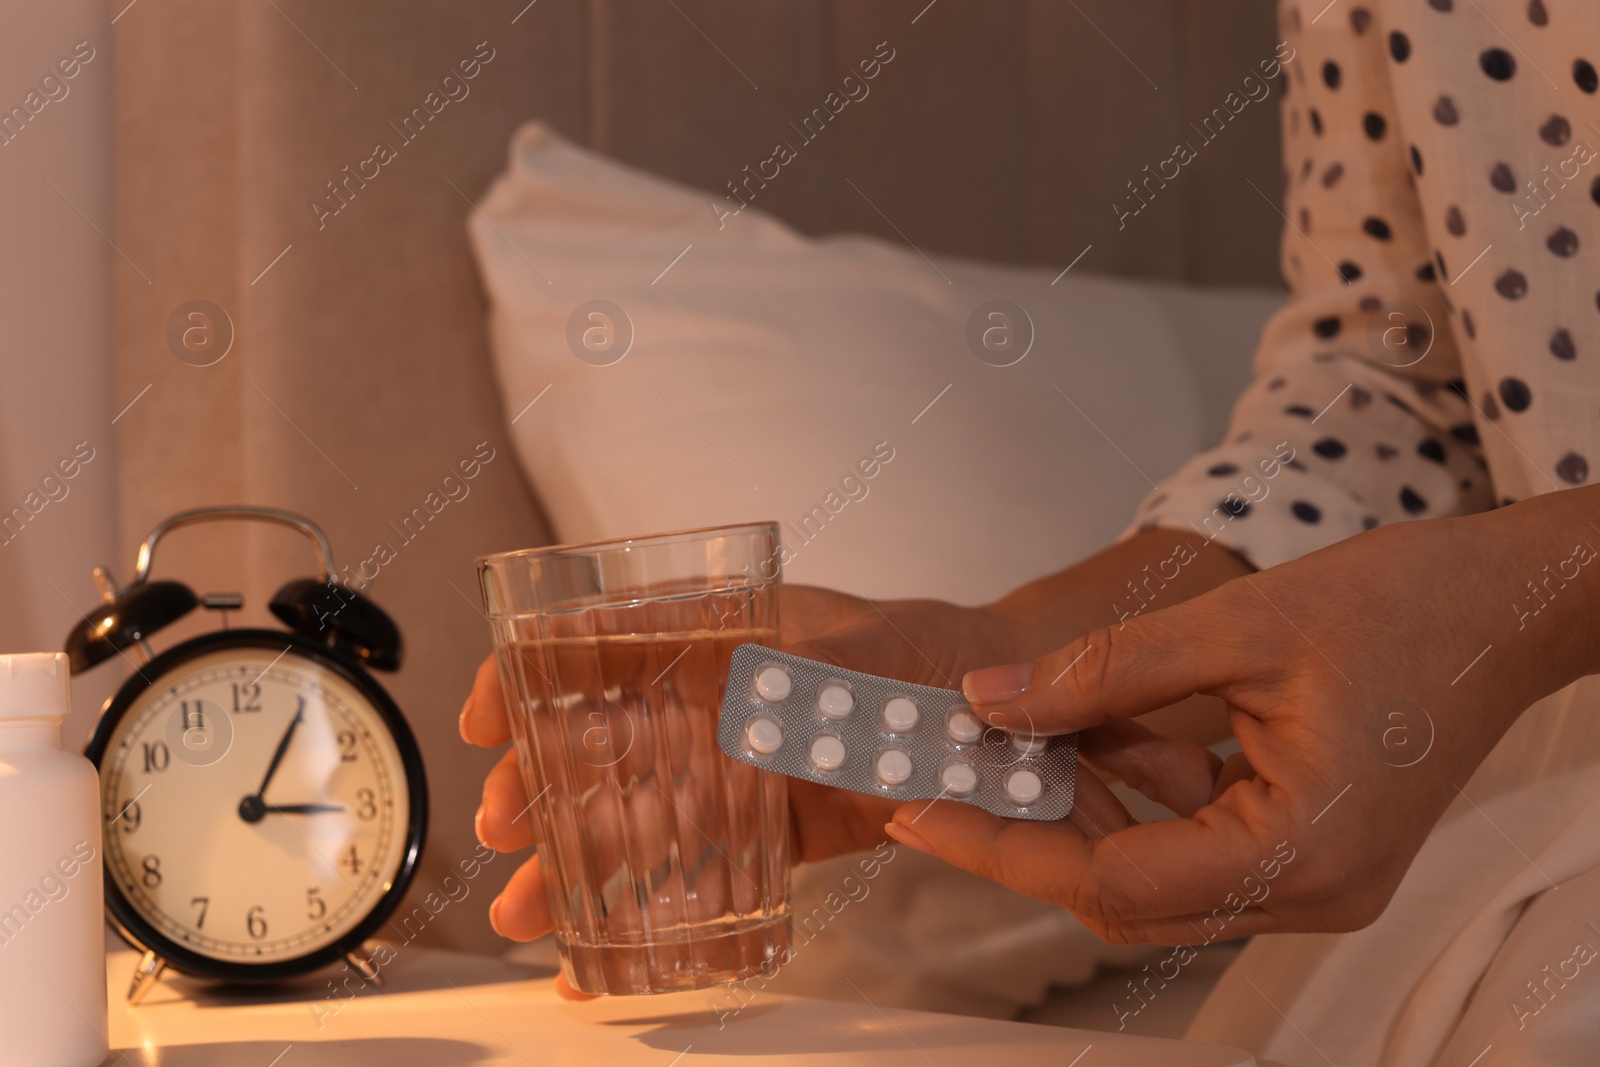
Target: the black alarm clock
(262, 797)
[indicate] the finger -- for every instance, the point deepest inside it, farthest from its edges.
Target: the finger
(1115, 673)
(1175, 774)
(566, 992)
(1142, 873)
(1236, 768)
(522, 910)
(483, 716)
(1095, 808)
(504, 821)
(1198, 930)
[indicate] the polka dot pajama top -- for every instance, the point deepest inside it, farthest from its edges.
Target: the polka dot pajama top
(1440, 353)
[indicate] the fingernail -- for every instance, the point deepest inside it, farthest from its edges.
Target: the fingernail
(461, 723)
(494, 916)
(992, 685)
(477, 825)
(908, 837)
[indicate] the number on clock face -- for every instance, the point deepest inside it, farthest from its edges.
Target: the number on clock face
(255, 805)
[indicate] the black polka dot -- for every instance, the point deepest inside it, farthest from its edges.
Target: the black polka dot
(1276, 384)
(1305, 169)
(1445, 113)
(1491, 407)
(1584, 74)
(1441, 5)
(1467, 325)
(1411, 501)
(1563, 242)
(1335, 171)
(1300, 410)
(1349, 271)
(1235, 506)
(1416, 160)
(1537, 14)
(1360, 19)
(1330, 74)
(1555, 131)
(1454, 222)
(1425, 273)
(1305, 220)
(1369, 522)
(1438, 257)
(1457, 386)
(1466, 433)
(1316, 122)
(1376, 227)
(1306, 512)
(1329, 448)
(1399, 46)
(1430, 448)
(1515, 394)
(1513, 285)
(1561, 345)
(1326, 328)
(1498, 64)
(1387, 452)
(1359, 397)
(1573, 468)
(1502, 179)
(1506, 501)
(1223, 470)
(1374, 125)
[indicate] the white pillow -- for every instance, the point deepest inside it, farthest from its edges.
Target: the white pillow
(766, 366)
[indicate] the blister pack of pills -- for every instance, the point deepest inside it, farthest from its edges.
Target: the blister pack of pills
(875, 735)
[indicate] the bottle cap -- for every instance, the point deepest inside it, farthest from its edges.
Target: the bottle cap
(35, 685)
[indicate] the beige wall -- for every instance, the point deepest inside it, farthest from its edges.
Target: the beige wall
(55, 307)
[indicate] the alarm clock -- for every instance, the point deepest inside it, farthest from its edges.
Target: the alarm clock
(262, 798)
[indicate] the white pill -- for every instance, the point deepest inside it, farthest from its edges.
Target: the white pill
(959, 779)
(773, 684)
(1024, 787)
(827, 753)
(894, 767)
(900, 715)
(964, 727)
(764, 736)
(835, 702)
(1028, 744)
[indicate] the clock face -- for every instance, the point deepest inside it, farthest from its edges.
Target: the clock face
(256, 802)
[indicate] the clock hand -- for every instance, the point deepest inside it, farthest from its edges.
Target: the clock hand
(304, 809)
(283, 746)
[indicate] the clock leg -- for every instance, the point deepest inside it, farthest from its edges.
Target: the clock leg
(145, 977)
(361, 963)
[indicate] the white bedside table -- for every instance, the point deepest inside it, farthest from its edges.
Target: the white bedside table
(445, 1009)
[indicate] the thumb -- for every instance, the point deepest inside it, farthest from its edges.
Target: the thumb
(1114, 673)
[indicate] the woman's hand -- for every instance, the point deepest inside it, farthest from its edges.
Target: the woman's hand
(928, 642)
(1365, 683)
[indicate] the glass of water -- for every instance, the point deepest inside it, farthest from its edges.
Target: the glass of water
(667, 863)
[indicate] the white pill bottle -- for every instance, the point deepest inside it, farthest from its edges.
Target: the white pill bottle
(52, 918)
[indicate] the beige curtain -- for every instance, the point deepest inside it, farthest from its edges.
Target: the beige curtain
(358, 374)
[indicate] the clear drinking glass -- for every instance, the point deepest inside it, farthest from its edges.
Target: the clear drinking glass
(667, 863)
